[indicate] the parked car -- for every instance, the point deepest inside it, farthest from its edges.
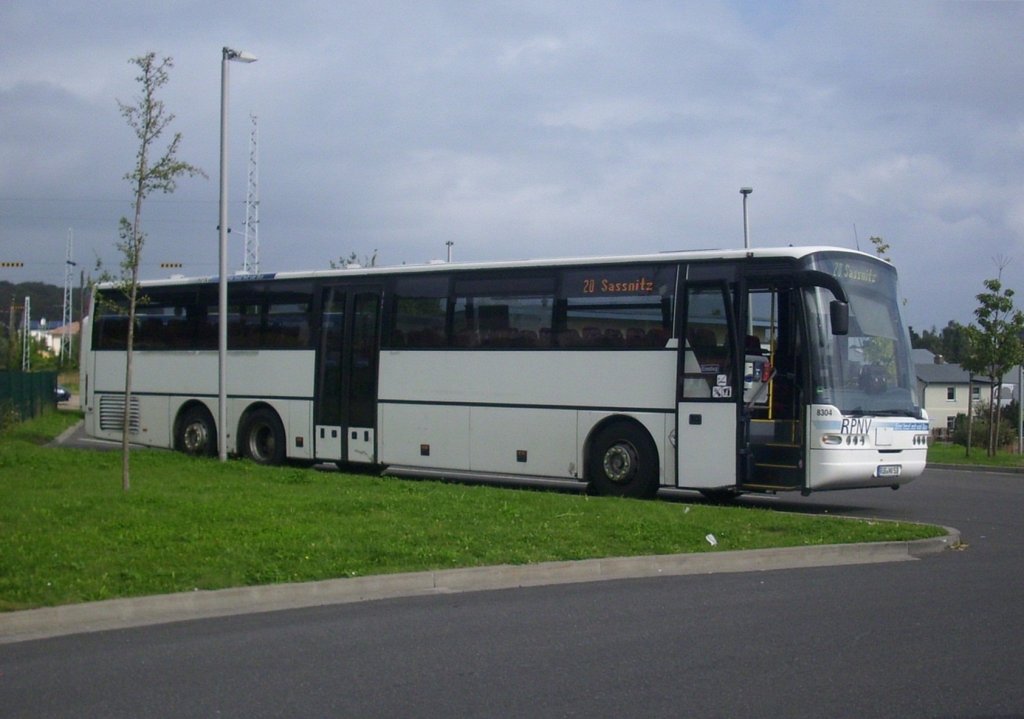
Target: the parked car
(60, 394)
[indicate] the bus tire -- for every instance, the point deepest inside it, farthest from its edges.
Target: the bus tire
(623, 462)
(261, 437)
(197, 433)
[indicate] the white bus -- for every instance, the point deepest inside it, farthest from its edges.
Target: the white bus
(719, 371)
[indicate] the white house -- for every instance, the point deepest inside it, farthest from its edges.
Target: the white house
(944, 389)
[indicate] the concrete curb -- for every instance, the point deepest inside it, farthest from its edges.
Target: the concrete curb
(66, 434)
(143, 611)
(977, 468)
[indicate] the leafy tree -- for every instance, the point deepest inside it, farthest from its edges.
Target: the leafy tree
(950, 342)
(148, 118)
(994, 344)
(881, 248)
(880, 351)
(47, 300)
(6, 349)
(353, 259)
(979, 428)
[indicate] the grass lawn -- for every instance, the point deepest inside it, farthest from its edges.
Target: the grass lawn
(957, 454)
(70, 534)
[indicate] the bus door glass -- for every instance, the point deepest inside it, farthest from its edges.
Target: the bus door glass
(347, 367)
(773, 398)
(709, 392)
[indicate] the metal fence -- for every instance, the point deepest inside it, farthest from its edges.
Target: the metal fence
(26, 394)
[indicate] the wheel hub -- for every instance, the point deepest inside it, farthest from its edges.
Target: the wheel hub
(619, 462)
(195, 437)
(261, 443)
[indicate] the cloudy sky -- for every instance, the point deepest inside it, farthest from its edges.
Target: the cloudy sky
(529, 129)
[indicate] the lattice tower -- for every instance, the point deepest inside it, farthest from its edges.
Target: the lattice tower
(251, 266)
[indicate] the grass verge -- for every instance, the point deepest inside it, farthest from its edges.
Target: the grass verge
(71, 535)
(957, 454)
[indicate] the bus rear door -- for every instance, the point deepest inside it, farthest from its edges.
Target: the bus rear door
(347, 370)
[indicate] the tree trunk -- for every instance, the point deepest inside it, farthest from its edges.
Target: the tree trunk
(126, 483)
(993, 414)
(134, 255)
(970, 415)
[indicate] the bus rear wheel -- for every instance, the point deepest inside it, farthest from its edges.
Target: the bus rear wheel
(623, 462)
(197, 434)
(261, 437)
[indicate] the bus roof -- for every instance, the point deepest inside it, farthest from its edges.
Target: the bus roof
(442, 266)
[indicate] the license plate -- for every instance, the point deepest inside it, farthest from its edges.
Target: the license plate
(888, 470)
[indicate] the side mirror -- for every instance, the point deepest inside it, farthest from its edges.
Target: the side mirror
(839, 313)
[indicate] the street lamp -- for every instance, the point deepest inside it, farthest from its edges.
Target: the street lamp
(222, 281)
(746, 236)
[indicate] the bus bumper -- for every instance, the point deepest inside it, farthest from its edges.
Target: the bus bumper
(836, 468)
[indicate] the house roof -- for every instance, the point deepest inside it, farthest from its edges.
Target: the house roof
(71, 329)
(942, 374)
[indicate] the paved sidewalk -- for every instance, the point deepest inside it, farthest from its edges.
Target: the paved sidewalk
(143, 611)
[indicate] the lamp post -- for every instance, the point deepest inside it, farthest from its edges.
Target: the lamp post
(746, 236)
(1020, 409)
(222, 280)
(1020, 404)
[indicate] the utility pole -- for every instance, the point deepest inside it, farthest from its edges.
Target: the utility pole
(26, 338)
(65, 341)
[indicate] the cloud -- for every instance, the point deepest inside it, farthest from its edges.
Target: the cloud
(533, 129)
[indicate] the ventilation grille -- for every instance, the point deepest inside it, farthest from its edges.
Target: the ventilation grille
(112, 414)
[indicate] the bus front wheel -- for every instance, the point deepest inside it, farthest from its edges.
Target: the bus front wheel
(261, 437)
(197, 435)
(623, 462)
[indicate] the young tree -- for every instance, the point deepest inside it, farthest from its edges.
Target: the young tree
(148, 118)
(994, 345)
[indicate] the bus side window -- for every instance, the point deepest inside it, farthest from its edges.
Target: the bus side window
(708, 369)
(419, 315)
(503, 312)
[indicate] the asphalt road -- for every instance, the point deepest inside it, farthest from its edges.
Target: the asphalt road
(938, 637)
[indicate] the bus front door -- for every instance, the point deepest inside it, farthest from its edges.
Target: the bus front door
(773, 432)
(347, 368)
(709, 393)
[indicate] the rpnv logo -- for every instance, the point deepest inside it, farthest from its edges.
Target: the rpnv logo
(856, 425)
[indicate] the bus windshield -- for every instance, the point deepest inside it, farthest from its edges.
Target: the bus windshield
(869, 370)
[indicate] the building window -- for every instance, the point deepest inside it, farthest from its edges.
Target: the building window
(951, 394)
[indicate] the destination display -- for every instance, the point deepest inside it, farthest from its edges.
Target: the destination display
(612, 282)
